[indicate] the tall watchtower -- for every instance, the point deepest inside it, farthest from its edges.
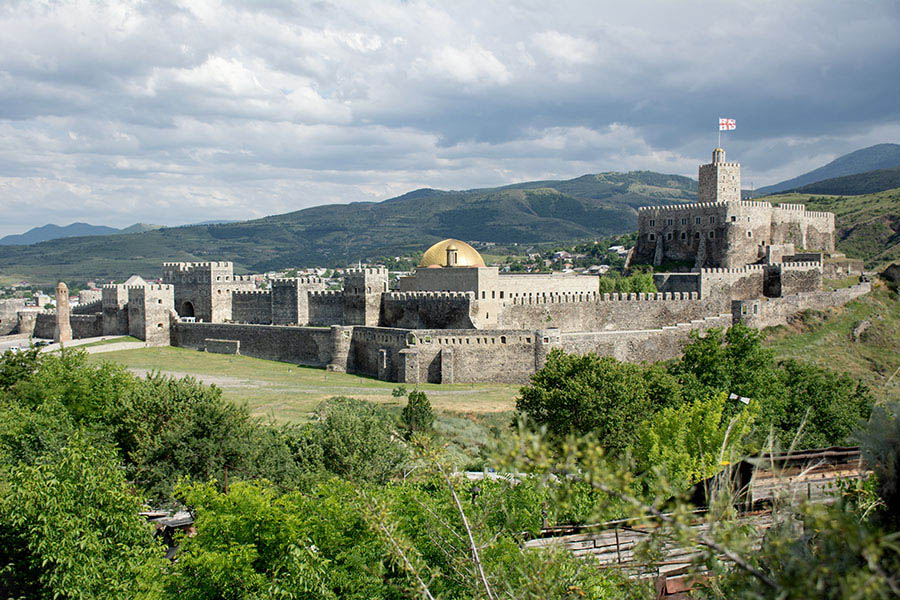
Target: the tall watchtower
(362, 295)
(719, 181)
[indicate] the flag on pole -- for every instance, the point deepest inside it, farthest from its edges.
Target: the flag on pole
(727, 124)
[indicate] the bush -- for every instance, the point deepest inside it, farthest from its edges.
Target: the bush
(417, 416)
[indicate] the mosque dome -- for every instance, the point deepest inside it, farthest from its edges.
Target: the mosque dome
(438, 255)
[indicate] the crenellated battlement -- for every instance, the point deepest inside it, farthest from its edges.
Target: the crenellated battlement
(595, 298)
(801, 265)
(408, 296)
(686, 206)
(155, 287)
(190, 266)
(735, 270)
(251, 293)
(297, 280)
(326, 294)
(367, 271)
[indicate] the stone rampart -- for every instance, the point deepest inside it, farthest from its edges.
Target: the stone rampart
(302, 345)
(251, 306)
(609, 312)
(326, 308)
(86, 326)
(640, 345)
(427, 310)
(733, 284)
(467, 355)
(769, 312)
(45, 325)
(8, 310)
(88, 308)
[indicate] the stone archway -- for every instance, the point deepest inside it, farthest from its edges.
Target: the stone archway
(187, 309)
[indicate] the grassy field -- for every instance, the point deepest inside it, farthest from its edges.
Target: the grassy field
(825, 338)
(287, 392)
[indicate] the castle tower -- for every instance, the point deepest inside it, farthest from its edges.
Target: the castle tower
(203, 290)
(149, 309)
(719, 181)
(63, 331)
(290, 299)
(362, 295)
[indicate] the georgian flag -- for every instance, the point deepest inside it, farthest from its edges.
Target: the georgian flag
(727, 124)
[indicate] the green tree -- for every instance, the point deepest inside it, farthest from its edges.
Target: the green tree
(71, 529)
(417, 416)
(358, 440)
(590, 394)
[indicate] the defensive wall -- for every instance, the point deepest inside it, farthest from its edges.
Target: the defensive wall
(609, 312)
(252, 306)
(309, 346)
(769, 312)
(44, 324)
(8, 310)
(326, 308)
(428, 310)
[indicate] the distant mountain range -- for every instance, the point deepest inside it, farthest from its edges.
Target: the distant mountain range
(880, 156)
(870, 182)
(340, 234)
(525, 213)
(46, 233)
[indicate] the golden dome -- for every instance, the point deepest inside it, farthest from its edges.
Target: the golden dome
(466, 255)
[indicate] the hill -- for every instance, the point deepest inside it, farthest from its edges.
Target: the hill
(339, 234)
(825, 338)
(52, 232)
(855, 185)
(880, 156)
(868, 226)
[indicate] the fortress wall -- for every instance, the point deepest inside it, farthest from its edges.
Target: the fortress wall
(375, 351)
(8, 311)
(769, 312)
(663, 222)
(732, 284)
(465, 356)
(427, 310)
(45, 325)
(641, 345)
(86, 326)
(326, 308)
(88, 308)
(514, 285)
(301, 345)
(26, 320)
(612, 312)
(252, 307)
(677, 282)
(797, 277)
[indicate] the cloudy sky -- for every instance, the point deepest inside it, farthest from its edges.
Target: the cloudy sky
(176, 112)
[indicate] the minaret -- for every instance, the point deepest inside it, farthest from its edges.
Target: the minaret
(63, 331)
(719, 181)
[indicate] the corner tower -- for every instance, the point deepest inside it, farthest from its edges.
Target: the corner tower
(719, 181)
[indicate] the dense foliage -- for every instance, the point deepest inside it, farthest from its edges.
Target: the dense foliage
(797, 404)
(360, 502)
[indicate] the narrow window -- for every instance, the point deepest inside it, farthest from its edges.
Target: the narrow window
(683, 235)
(698, 220)
(712, 219)
(712, 235)
(669, 236)
(669, 221)
(733, 218)
(652, 237)
(749, 234)
(683, 221)
(652, 223)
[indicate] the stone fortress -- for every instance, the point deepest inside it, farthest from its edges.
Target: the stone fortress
(457, 320)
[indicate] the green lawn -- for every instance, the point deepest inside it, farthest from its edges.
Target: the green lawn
(825, 338)
(112, 340)
(288, 392)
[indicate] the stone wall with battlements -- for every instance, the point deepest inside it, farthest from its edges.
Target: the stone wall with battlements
(88, 308)
(770, 312)
(8, 311)
(252, 306)
(727, 234)
(326, 308)
(608, 312)
(83, 326)
(113, 305)
(427, 310)
(204, 289)
(301, 345)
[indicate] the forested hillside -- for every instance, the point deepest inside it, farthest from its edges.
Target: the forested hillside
(339, 234)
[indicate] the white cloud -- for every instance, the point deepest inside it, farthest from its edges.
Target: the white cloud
(129, 111)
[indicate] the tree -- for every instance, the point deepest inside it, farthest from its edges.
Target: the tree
(357, 440)
(590, 394)
(417, 416)
(70, 528)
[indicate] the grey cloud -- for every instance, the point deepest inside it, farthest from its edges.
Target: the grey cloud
(130, 111)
